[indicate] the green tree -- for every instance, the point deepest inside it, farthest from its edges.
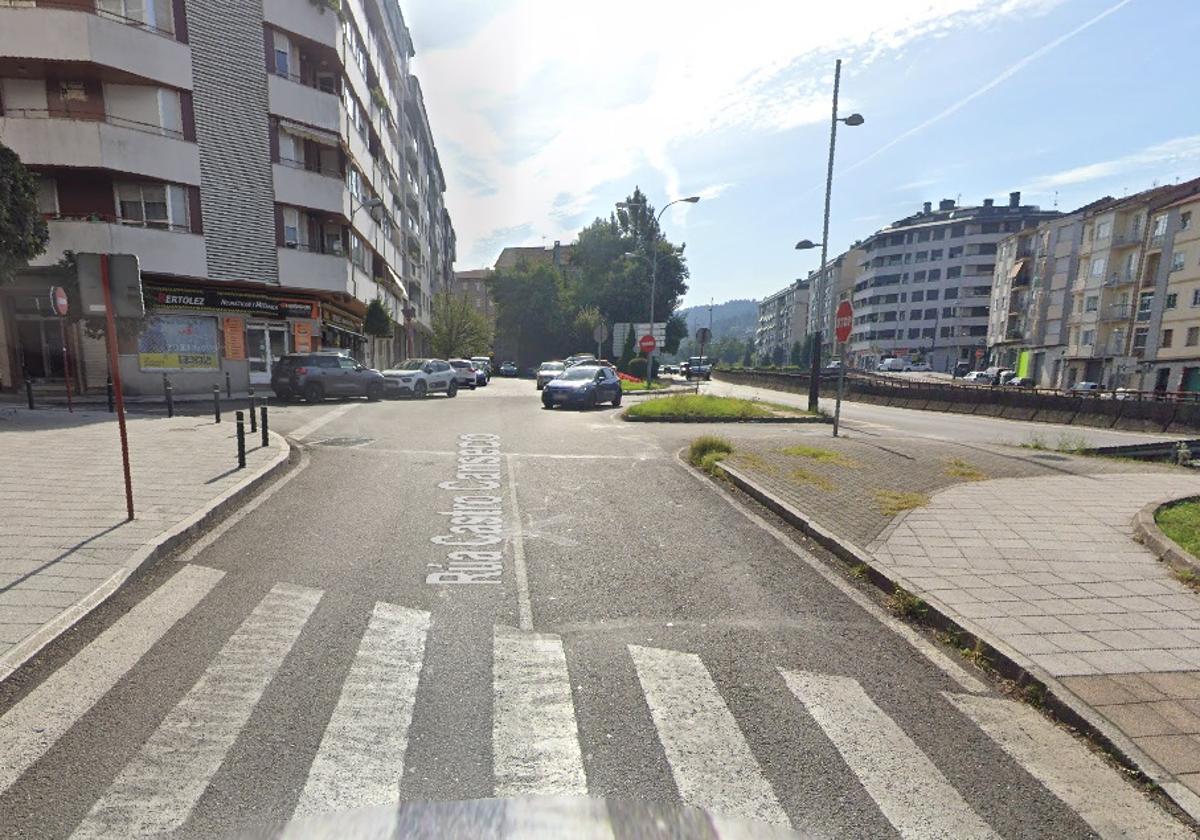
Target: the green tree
(778, 354)
(796, 356)
(627, 353)
(459, 330)
(378, 322)
(23, 231)
(535, 311)
(748, 353)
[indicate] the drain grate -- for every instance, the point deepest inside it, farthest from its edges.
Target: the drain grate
(344, 441)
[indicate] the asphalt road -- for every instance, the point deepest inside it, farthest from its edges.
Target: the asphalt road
(619, 628)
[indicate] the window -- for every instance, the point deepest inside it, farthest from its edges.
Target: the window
(1089, 337)
(291, 227)
(957, 231)
(935, 254)
(1185, 220)
(1177, 258)
(914, 333)
(932, 294)
(930, 314)
(1098, 267)
(918, 277)
(947, 311)
(1172, 300)
(47, 196)
(922, 236)
(939, 233)
(947, 332)
(1193, 336)
(1195, 297)
(1160, 226)
(989, 227)
(1167, 337)
(955, 271)
(921, 256)
(152, 205)
(935, 274)
(956, 251)
(333, 241)
(917, 297)
(358, 251)
(1103, 230)
(951, 293)
(1092, 303)
(154, 14)
(914, 315)
(346, 363)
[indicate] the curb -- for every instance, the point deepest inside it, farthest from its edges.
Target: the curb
(1063, 704)
(1147, 532)
(677, 419)
(164, 544)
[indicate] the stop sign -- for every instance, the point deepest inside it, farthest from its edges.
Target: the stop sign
(844, 320)
(58, 300)
(647, 344)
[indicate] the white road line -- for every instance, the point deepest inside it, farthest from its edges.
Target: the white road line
(1069, 770)
(710, 760)
(361, 759)
(516, 535)
(535, 743)
(328, 417)
(921, 644)
(908, 788)
(32, 726)
(156, 791)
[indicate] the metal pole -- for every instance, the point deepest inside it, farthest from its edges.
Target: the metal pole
(814, 373)
(169, 395)
(228, 386)
(653, 287)
(253, 411)
(837, 406)
(110, 336)
(814, 392)
(262, 425)
(108, 389)
(67, 364)
(241, 439)
(216, 404)
(29, 391)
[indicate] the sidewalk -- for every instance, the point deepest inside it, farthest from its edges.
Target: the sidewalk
(65, 544)
(1031, 551)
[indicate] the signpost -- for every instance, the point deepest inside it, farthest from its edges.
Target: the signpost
(843, 323)
(703, 335)
(599, 333)
(647, 344)
(60, 305)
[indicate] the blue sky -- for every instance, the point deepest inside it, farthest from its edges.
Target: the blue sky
(547, 112)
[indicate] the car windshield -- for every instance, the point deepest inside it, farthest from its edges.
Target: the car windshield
(577, 373)
(459, 363)
(411, 364)
(552, 366)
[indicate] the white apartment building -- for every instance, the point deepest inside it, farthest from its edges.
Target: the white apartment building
(782, 321)
(273, 170)
(827, 289)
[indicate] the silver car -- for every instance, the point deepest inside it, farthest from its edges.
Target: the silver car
(548, 371)
(421, 377)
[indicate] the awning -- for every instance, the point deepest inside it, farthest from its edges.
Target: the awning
(1016, 269)
(317, 135)
(348, 333)
(395, 278)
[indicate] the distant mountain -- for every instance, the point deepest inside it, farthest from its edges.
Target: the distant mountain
(736, 318)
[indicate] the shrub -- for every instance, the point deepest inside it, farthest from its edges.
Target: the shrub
(706, 445)
(637, 367)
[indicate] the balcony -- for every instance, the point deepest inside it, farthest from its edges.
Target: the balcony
(308, 20)
(81, 36)
(1116, 312)
(1156, 241)
(1127, 238)
(1119, 278)
(300, 187)
(303, 269)
(291, 99)
(40, 139)
(159, 250)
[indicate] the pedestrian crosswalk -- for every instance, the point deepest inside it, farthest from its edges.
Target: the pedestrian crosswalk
(542, 739)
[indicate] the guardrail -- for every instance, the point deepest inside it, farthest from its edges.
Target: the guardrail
(1148, 411)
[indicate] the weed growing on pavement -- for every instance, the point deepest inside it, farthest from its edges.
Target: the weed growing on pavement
(1188, 578)
(903, 604)
(977, 656)
(756, 462)
(815, 453)
(895, 502)
(1035, 442)
(1072, 444)
(958, 468)
(707, 451)
(1034, 694)
(805, 477)
(859, 571)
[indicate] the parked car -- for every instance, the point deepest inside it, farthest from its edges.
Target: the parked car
(465, 373)
(508, 369)
(919, 367)
(421, 377)
(978, 377)
(1020, 382)
(326, 373)
(548, 371)
(484, 365)
(961, 369)
(895, 363)
(1085, 387)
(583, 386)
(835, 364)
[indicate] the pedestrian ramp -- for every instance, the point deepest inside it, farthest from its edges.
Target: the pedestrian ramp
(540, 745)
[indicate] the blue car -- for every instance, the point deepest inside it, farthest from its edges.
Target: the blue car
(583, 386)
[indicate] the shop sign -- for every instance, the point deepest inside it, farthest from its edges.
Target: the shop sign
(231, 301)
(302, 337)
(235, 339)
(178, 342)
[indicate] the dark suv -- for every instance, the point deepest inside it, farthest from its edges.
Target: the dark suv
(328, 373)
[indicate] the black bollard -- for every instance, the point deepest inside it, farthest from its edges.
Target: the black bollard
(253, 411)
(228, 387)
(29, 391)
(109, 388)
(241, 439)
(262, 425)
(169, 394)
(216, 404)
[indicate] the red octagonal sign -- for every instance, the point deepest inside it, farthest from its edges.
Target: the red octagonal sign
(844, 320)
(647, 344)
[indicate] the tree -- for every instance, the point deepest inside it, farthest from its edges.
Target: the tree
(677, 331)
(627, 353)
(796, 356)
(748, 354)
(459, 330)
(534, 311)
(23, 231)
(778, 354)
(377, 323)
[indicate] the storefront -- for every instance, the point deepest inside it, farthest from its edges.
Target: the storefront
(35, 342)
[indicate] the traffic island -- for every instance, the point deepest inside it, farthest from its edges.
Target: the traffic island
(704, 408)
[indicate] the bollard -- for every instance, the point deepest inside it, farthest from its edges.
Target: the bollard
(228, 387)
(169, 393)
(241, 439)
(216, 404)
(109, 388)
(1183, 455)
(29, 391)
(253, 412)
(262, 425)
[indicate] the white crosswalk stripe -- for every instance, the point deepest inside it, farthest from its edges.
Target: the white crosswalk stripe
(156, 791)
(1070, 771)
(535, 743)
(908, 788)
(361, 758)
(32, 726)
(710, 760)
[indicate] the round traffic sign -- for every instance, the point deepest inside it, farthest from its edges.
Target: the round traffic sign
(600, 332)
(844, 320)
(703, 335)
(647, 344)
(58, 300)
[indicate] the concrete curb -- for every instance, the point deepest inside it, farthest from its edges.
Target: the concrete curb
(164, 544)
(676, 419)
(1147, 532)
(1064, 704)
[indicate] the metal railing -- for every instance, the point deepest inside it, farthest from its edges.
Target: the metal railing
(92, 116)
(1127, 237)
(1119, 278)
(301, 165)
(1116, 312)
(110, 219)
(64, 5)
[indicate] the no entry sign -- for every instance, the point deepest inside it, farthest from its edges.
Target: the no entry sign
(58, 300)
(647, 344)
(844, 320)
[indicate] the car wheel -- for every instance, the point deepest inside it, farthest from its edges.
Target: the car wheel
(452, 389)
(374, 392)
(314, 393)
(547, 406)
(473, 386)
(617, 400)
(419, 390)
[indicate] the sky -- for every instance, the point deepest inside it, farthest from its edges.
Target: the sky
(547, 112)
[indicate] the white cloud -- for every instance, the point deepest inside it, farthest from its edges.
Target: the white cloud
(1157, 160)
(550, 101)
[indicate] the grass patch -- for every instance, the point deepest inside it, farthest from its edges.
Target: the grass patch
(1181, 522)
(704, 406)
(958, 468)
(905, 605)
(707, 452)
(756, 462)
(859, 571)
(894, 502)
(1188, 578)
(628, 387)
(815, 453)
(805, 477)
(1034, 694)
(1072, 444)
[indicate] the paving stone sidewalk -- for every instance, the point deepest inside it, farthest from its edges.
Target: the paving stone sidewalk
(1031, 550)
(64, 538)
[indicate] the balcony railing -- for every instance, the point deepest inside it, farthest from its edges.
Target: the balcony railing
(1143, 315)
(110, 219)
(1125, 238)
(90, 116)
(327, 171)
(76, 6)
(1156, 241)
(1116, 312)
(1119, 278)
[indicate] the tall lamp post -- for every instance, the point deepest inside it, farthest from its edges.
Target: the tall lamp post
(624, 205)
(805, 244)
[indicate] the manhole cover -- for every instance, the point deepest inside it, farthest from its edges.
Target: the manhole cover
(344, 441)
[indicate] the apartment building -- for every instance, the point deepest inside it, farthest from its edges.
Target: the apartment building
(924, 284)
(1167, 329)
(474, 285)
(827, 289)
(273, 170)
(782, 321)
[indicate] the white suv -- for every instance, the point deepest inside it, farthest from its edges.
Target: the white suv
(421, 377)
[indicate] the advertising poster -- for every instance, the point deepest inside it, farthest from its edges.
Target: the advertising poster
(178, 342)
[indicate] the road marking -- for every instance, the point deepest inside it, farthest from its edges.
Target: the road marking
(361, 759)
(710, 760)
(328, 417)
(524, 606)
(908, 788)
(32, 726)
(1069, 770)
(156, 791)
(535, 743)
(922, 645)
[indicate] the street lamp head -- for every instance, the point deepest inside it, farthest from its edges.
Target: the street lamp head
(807, 245)
(691, 199)
(854, 119)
